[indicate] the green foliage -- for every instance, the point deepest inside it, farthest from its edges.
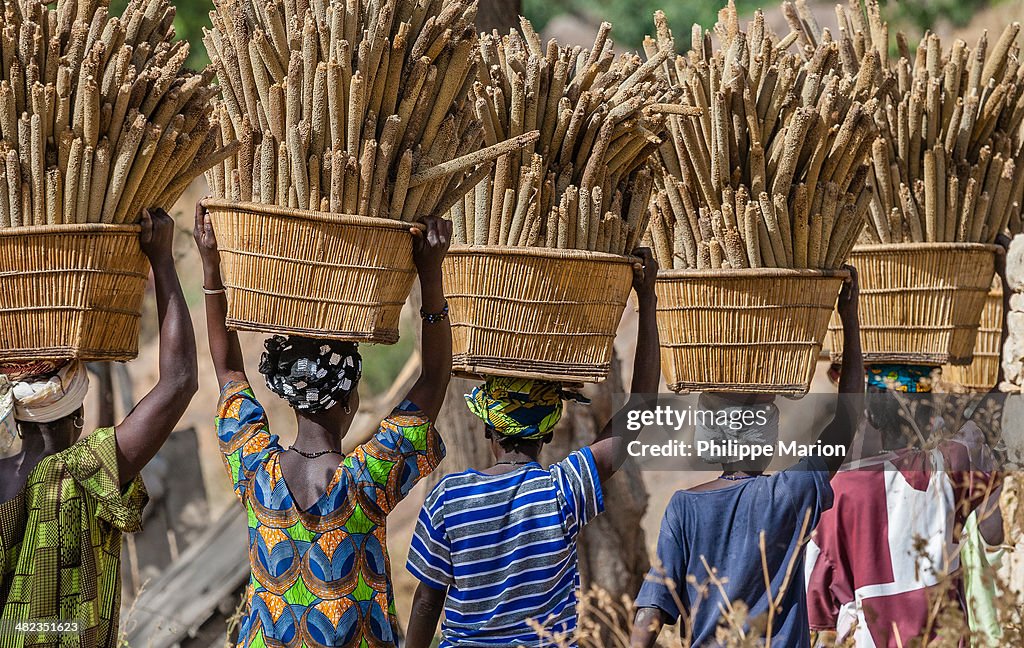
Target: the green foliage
(382, 362)
(634, 19)
(924, 14)
(190, 18)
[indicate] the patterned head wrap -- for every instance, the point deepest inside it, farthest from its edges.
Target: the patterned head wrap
(42, 399)
(312, 375)
(730, 419)
(912, 379)
(519, 408)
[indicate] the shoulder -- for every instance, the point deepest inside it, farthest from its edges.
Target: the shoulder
(407, 416)
(579, 462)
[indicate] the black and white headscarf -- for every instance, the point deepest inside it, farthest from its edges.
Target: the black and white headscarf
(312, 375)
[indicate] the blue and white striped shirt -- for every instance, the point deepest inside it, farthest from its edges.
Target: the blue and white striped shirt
(504, 546)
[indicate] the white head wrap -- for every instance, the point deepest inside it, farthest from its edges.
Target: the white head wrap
(44, 400)
(743, 423)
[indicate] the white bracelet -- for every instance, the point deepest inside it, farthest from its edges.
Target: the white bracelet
(218, 291)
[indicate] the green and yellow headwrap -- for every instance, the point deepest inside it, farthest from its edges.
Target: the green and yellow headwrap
(517, 407)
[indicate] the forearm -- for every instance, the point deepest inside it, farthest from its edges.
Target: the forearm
(437, 336)
(647, 358)
(609, 447)
(1003, 334)
(178, 367)
(646, 627)
(436, 344)
(225, 349)
(147, 426)
(423, 618)
(850, 400)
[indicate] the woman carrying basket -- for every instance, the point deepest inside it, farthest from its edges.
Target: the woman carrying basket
(495, 550)
(317, 510)
(65, 502)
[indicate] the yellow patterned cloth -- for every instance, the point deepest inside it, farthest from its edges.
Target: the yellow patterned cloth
(517, 407)
(60, 546)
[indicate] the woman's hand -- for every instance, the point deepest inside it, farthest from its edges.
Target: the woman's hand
(429, 247)
(645, 273)
(849, 295)
(206, 240)
(156, 236)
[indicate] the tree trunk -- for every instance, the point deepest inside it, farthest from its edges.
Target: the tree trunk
(498, 14)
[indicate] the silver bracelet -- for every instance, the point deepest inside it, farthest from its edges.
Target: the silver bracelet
(208, 291)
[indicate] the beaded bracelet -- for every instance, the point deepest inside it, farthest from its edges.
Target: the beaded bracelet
(434, 318)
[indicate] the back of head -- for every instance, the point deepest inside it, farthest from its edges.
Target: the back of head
(312, 375)
(42, 395)
(519, 413)
(730, 421)
(894, 406)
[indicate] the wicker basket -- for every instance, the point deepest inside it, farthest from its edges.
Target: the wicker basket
(535, 312)
(297, 272)
(983, 372)
(71, 291)
(920, 303)
(744, 330)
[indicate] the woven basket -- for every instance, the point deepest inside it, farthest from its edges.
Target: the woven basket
(744, 330)
(535, 313)
(297, 272)
(71, 291)
(920, 303)
(983, 372)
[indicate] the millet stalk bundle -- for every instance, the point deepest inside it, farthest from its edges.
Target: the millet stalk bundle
(585, 183)
(349, 106)
(773, 173)
(98, 119)
(949, 165)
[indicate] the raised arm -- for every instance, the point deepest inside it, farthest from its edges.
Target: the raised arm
(146, 427)
(224, 346)
(1000, 266)
(428, 250)
(609, 448)
(850, 401)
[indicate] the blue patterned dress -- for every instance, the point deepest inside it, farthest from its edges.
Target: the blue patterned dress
(321, 577)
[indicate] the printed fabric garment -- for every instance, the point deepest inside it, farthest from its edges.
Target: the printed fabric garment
(60, 545)
(721, 530)
(321, 577)
(504, 546)
(981, 562)
(891, 543)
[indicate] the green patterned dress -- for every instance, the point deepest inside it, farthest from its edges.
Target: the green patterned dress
(60, 546)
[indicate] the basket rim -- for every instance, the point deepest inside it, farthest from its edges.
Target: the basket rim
(259, 209)
(938, 246)
(72, 228)
(752, 273)
(539, 253)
